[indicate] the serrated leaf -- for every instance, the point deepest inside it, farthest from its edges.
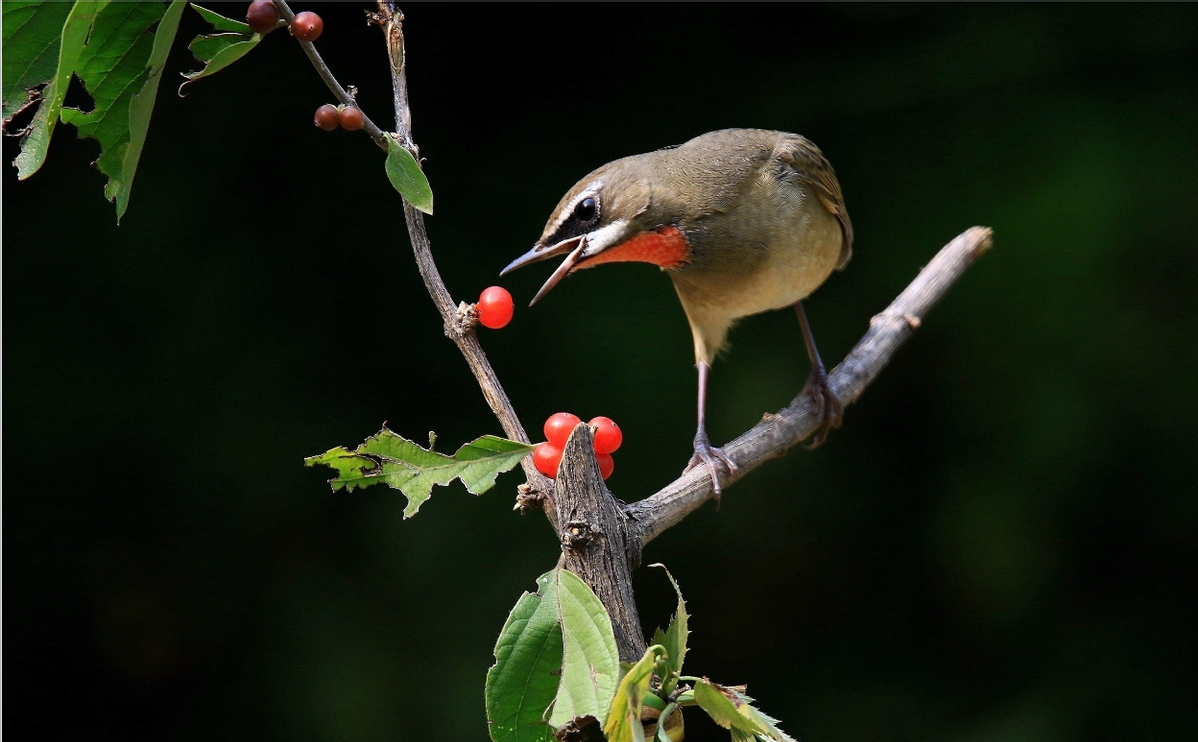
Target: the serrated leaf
(406, 176)
(676, 635)
(391, 459)
(624, 717)
(32, 33)
(36, 142)
(590, 661)
(732, 710)
(219, 50)
(121, 65)
(528, 659)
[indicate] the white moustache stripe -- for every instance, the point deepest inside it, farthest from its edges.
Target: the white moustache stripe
(601, 239)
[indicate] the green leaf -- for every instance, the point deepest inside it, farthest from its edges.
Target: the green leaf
(36, 142)
(221, 23)
(528, 660)
(590, 662)
(676, 635)
(393, 460)
(624, 717)
(121, 65)
(733, 710)
(406, 176)
(31, 40)
(219, 50)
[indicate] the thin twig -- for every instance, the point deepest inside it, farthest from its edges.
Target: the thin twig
(378, 135)
(391, 21)
(775, 434)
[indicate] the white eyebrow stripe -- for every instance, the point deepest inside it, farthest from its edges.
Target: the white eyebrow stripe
(591, 191)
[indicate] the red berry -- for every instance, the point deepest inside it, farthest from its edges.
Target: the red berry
(607, 435)
(606, 464)
(495, 307)
(547, 457)
(262, 16)
(307, 26)
(327, 117)
(559, 427)
(351, 119)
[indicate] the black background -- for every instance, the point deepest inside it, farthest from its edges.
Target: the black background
(998, 545)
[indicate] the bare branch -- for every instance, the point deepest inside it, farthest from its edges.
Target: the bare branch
(775, 434)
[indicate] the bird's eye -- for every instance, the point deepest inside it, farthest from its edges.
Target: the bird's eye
(586, 210)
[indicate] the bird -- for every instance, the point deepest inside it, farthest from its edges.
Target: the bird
(743, 221)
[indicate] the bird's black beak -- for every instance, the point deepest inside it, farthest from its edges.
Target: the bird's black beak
(573, 245)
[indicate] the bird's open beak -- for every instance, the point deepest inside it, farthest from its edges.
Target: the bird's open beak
(574, 246)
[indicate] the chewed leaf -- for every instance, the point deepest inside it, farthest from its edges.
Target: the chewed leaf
(31, 42)
(219, 50)
(406, 177)
(387, 458)
(67, 44)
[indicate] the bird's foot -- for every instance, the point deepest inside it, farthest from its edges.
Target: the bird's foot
(833, 410)
(707, 454)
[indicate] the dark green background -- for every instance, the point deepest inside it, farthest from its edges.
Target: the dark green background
(998, 545)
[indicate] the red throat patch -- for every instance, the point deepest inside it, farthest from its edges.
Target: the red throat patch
(665, 247)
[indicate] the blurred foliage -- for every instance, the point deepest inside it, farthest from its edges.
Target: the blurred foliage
(998, 545)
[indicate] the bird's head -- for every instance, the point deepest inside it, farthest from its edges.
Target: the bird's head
(606, 217)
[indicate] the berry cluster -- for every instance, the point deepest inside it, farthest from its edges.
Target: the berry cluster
(263, 17)
(548, 455)
(329, 117)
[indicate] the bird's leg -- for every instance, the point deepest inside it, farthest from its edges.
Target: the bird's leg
(817, 383)
(705, 453)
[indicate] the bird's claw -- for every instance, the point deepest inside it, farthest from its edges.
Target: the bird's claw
(833, 410)
(707, 454)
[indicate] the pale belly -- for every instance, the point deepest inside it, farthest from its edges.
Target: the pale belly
(792, 271)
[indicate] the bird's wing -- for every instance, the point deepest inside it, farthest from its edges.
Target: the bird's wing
(805, 161)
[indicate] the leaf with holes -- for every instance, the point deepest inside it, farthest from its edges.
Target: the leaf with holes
(62, 38)
(528, 660)
(121, 65)
(387, 458)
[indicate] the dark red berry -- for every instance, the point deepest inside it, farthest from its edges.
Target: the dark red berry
(607, 435)
(262, 16)
(559, 427)
(495, 306)
(547, 457)
(327, 117)
(606, 464)
(306, 26)
(351, 120)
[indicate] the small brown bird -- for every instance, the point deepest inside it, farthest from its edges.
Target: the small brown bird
(742, 220)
